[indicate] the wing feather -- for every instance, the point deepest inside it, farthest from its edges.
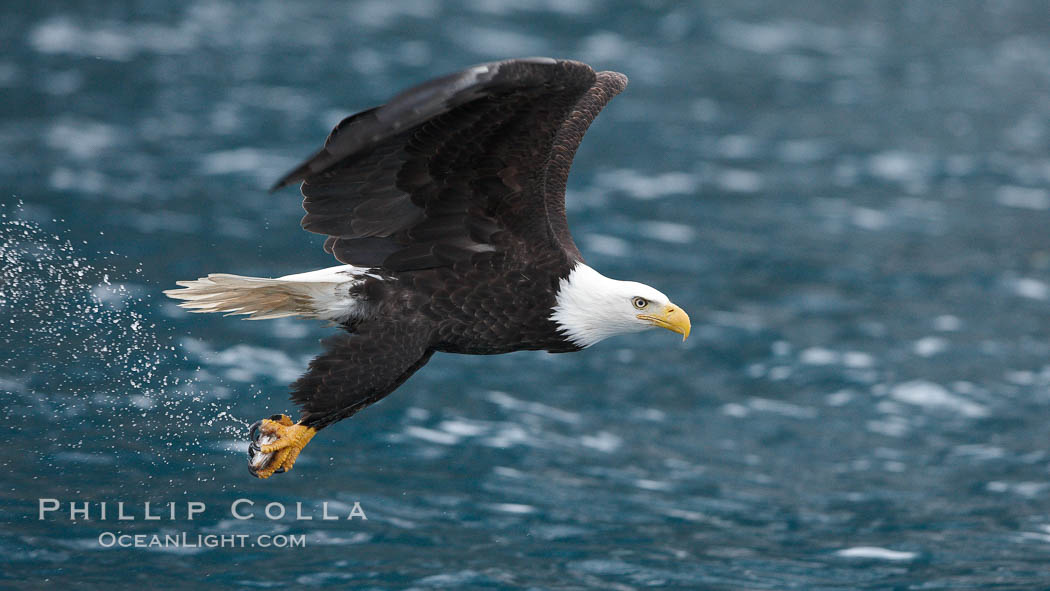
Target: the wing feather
(466, 164)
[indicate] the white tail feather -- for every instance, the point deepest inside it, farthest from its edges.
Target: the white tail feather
(323, 294)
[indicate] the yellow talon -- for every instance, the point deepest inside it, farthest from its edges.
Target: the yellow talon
(276, 443)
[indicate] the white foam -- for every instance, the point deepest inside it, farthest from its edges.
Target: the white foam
(839, 398)
(1027, 287)
(735, 410)
(929, 346)
(776, 37)
(513, 508)
(383, 13)
(463, 428)
(1025, 489)
(231, 161)
(741, 320)
(113, 41)
(81, 138)
(869, 219)
(489, 41)
(431, 435)
(782, 408)
(858, 359)
(737, 146)
(947, 323)
(247, 363)
(507, 401)
(980, 451)
(509, 435)
(667, 231)
(893, 165)
(646, 484)
(603, 46)
(607, 245)
(931, 395)
(875, 552)
(803, 151)
(736, 180)
(891, 426)
(1023, 197)
(61, 35)
(818, 356)
(645, 187)
(503, 7)
(602, 441)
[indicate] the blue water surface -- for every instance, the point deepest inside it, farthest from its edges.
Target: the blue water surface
(851, 200)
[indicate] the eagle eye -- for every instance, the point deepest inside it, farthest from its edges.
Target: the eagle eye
(640, 303)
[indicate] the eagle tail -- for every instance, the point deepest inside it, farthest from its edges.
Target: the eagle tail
(326, 294)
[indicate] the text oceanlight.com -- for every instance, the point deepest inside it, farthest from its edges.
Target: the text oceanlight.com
(184, 540)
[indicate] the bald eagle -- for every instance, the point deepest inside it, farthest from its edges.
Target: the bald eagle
(446, 208)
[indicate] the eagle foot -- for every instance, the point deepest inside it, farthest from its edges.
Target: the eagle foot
(275, 444)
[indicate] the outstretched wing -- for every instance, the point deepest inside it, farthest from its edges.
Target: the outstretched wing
(471, 163)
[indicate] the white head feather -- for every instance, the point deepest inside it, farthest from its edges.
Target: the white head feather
(591, 307)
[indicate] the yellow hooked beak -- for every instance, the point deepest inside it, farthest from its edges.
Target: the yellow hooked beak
(672, 318)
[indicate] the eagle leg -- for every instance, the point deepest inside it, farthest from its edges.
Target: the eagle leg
(275, 444)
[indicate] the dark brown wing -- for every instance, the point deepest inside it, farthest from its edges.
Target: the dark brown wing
(470, 163)
(570, 135)
(358, 369)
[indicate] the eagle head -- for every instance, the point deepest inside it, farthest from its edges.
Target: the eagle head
(591, 307)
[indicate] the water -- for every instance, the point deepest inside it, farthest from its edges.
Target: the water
(850, 201)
